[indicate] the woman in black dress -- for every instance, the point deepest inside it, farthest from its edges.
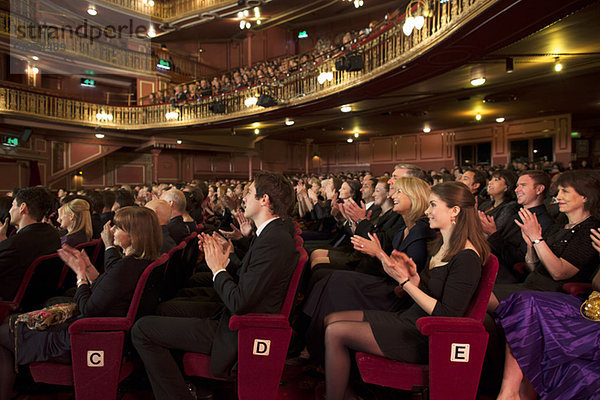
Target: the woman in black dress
(445, 288)
(137, 232)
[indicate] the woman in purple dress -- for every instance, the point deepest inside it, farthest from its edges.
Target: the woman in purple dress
(551, 350)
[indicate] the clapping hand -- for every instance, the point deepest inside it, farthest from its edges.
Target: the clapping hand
(487, 222)
(107, 235)
(530, 228)
(400, 267)
(356, 212)
(78, 261)
(370, 247)
(595, 239)
(216, 258)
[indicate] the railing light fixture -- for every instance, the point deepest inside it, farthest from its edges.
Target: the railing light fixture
(324, 77)
(174, 114)
(250, 101)
(103, 116)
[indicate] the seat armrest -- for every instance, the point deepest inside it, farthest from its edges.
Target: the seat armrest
(576, 288)
(431, 325)
(106, 324)
(277, 321)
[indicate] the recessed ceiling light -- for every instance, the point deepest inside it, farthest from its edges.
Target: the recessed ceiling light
(478, 81)
(478, 117)
(99, 135)
(356, 134)
(92, 10)
(179, 142)
(349, 140)
(346, 109)
(426, 130)
(35, 58)
(500, 120)
(289, 122)
(256, 131)
(557, 64)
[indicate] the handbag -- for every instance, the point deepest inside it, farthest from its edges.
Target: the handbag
(590, 309)
(40, 320)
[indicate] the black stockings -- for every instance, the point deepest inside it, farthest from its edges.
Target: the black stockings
(345, 331)
(7, 363)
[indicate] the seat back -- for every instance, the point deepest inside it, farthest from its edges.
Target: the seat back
(182, 260)
(478, 306)
(286, 308)
(39, 283)
(148, 289)
(92, 249)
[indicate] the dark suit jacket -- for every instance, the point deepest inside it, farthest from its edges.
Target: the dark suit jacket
(18, 252)
(168, 243)
(262, 285)
(178, 229)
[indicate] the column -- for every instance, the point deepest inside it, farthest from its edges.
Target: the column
(155, 153)
(249, 167)
(307, 158)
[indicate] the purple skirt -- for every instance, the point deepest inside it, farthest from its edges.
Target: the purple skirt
(557, 349)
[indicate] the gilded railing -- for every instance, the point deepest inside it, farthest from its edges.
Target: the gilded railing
(382, 52)
(109, 54)
(167, 10)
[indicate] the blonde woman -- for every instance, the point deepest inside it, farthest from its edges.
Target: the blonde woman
(76, 219)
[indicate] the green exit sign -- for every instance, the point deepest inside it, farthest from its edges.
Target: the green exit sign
(11, 141)
(88, 82)
(163, 64)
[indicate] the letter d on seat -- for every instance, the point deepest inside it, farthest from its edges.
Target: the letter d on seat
(262, 347)
(95, 358)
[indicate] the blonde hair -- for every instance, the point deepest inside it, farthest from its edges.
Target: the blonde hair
(144, 231)
(83, 220)
(417, 191)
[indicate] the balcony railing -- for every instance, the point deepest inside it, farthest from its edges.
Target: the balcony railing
(167, 10)
(107, 54)
(382, 51)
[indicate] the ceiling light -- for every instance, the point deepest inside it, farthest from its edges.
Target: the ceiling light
(500, 120)
(510, 65)
(426, 130)
(35, 70)
(478, 117)
(100, 135)
(179, 142)
(151, 32)
(256, 131)
(346, 109)
(478, 81)
(240, 15)
(349, 140)
(356, 134)
(248, 25)
(557, 65)
(258, 22)
(35, 58)
(92, 10)
(246, 13)
(250, 101)
(290, 122)
(242, 24)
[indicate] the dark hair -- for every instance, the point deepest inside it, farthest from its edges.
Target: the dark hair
(479, 177)
(97, 201)
(510, 179)
(109, 198)
(355, 190)
(586, 184)
(279, 189)
(337, 183)
(539, 178)
(39, 201)
(5, 205)
(124, 198)
(468, 226)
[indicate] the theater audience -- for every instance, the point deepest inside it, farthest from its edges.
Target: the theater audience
(32, 239)
(75, 218)
(501, 206)
(107, 211)
(475, 181)
(444, 288)
(136, 232)
(566, 254)
(163, 213)
(260, 286)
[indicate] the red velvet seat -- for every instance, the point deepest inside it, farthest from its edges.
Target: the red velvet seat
(182, 261)
(97, 362)
(92, 249)
(39, 283)
(456, 351)
(258, 372)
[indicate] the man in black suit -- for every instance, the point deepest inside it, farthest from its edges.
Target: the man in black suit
(33, 238)
(259, 287)
(177, 228)
(163, 212)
